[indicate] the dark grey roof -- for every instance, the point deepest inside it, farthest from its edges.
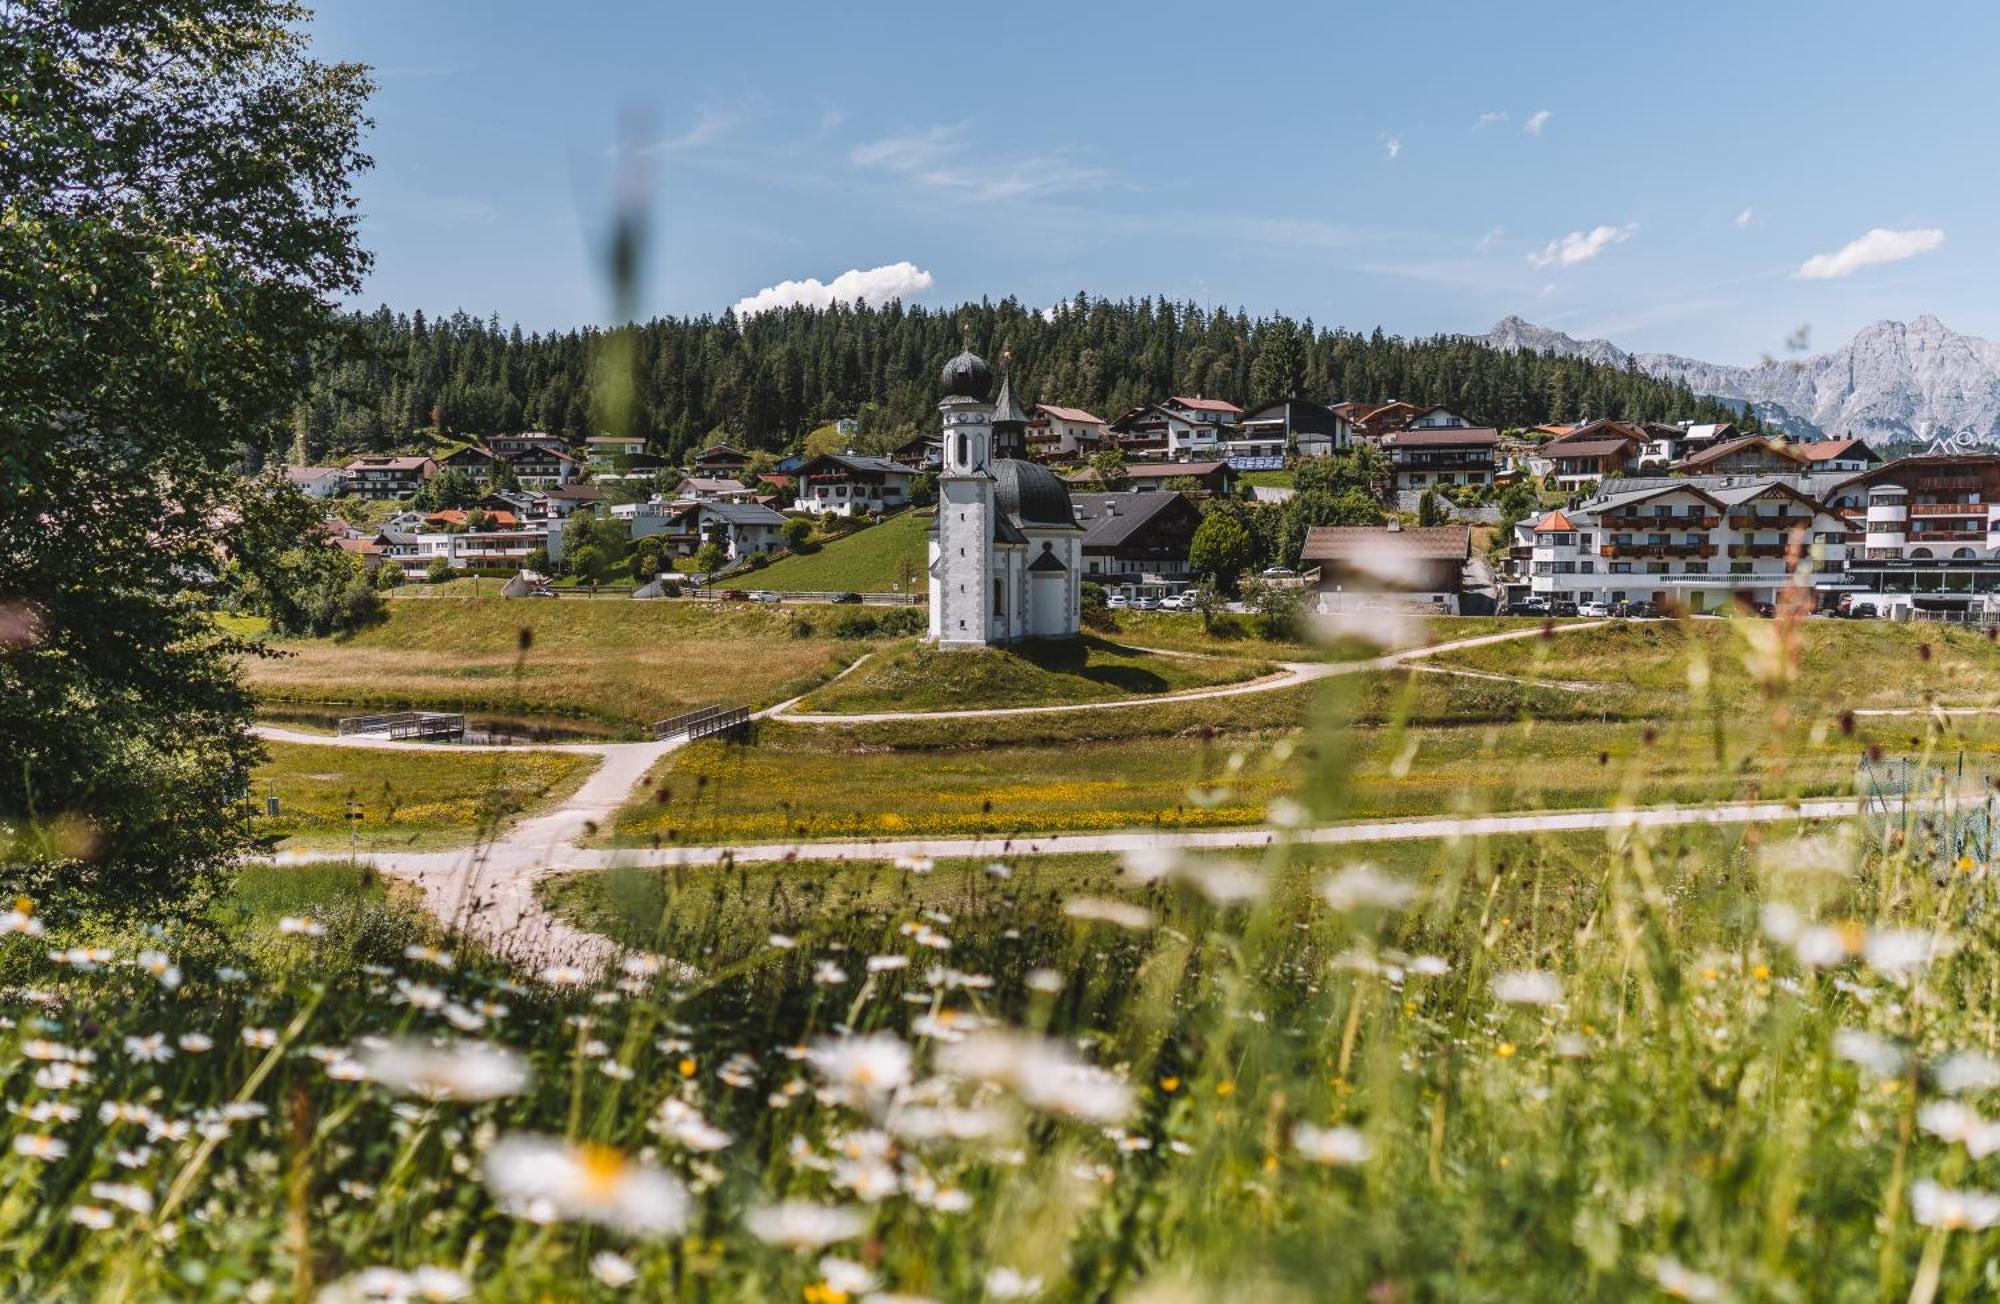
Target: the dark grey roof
(1005, 410)
(744, 513)
(1047, 561)
(1110, 519)
(859, 462)
(1031, 494)
(967, 376)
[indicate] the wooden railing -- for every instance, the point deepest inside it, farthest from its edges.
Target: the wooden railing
(423, 725)
(702, 722)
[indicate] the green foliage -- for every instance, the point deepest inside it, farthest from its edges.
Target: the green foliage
(286, 570)
(175, 222)
(648, 558)
(439, 571)
(796, 531)
(1431, 510)
(770, 380)
(1220, 550)
(538, 561)
(1279, 611)
(452, 489)
(709, 558)
(1107, 468)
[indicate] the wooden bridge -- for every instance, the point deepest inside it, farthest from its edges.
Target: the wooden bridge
(703, 722)
(424, 726)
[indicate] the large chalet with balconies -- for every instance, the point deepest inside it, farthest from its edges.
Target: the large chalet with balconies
(850, 484)
(1925, 536)
(1441, 456)
(1696, 544)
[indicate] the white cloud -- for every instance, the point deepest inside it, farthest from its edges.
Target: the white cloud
(1489, 119)
(875, 286)
(1582, 246)
(1880, 245)
(708, 124)
(909, 152)
(1536, 121)
(1745, 217)
(929, 158)
(1486, 241)
(1392, 145)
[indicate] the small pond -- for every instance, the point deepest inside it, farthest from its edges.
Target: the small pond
(480, 727)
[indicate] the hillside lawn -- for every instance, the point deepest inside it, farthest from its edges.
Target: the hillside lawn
(622, 663)
(411, 800)
(916, 676)
(870, 560)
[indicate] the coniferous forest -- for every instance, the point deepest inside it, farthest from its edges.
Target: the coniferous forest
(764, 381)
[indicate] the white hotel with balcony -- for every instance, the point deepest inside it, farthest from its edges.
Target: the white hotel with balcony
(1697, 543)
(1926, 536)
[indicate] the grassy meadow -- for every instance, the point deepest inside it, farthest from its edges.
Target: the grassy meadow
(411, 799)
(624, 664)
(874, 559)
(1705, 1063)
(916, 676)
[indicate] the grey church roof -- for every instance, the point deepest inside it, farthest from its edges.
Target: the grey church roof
(1031, 494)
(967, 376)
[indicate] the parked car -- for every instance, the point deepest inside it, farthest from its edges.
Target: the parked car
(1863, 611)
(733, 595)
(1766, 609)
(1641, 610)
(765, 595)
(1177, 602)
(1596, 610)
(1118, 602)
(1528, 607)
(845, 598)
(1563, 609)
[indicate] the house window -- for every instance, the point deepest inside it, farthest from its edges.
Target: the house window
(999, 598)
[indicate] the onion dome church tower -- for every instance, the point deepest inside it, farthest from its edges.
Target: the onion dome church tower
(1006, 553)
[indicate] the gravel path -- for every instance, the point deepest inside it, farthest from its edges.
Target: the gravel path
(488, 892)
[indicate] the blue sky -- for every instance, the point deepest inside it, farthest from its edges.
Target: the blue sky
(1655, 174)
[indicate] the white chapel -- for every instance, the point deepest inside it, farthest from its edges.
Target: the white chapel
(1005, 551)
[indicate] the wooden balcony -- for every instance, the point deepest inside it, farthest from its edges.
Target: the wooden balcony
(1946, 536)
(1760, 549)
(1684, 521)
(1622, 550)
(1949, 509)
(1786, 521)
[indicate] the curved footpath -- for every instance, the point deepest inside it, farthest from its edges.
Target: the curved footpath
(488, 891)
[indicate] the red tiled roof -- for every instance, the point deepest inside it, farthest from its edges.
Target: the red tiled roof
(1587, 447)
(1724, 449)
(1208, 404)
(1068, 414)
(1825, 450)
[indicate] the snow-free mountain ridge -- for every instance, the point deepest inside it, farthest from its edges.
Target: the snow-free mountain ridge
(1893, 382)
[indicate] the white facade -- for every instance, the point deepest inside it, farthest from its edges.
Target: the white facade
(1698, 548)
(1006, 554)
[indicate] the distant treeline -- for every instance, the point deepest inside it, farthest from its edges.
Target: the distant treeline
(766, 381)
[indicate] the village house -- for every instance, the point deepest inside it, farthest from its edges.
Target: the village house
(506, 445)
(542, 465)
(721, 460)
(703, 488)
(740, 528)
(1063, 434)
(1368, 567)
(919, 453)
(1839, 455)
(1695, 543)
(850, 484)
(1441, 456)
(317, 481)
(1150, 477)
(1749, 455)
(1590, 452)
(607, 450)
(1136, 544)
(563, 499)
(473, 460)
(1178, 430)
(381, 478)
(1292, 425)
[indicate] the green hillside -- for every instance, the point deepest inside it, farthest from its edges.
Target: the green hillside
(871, 560)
